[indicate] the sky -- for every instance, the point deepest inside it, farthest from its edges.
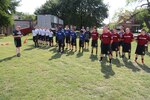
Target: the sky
(29, 6)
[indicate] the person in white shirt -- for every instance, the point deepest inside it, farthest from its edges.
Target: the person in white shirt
(51, 38)
(34, 38)
(47, 36)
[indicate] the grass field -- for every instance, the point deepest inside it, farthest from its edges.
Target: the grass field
(43, 74)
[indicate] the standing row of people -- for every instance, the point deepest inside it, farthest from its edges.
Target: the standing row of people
(110, 41)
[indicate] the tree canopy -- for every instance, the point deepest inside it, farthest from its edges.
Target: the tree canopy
(7, 9)
(76, 12)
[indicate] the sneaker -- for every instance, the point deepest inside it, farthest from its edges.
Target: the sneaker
(100, 61)
(18, 55)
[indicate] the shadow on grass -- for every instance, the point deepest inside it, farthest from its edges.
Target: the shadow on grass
(148, 53)
(31, 48)
(80, 54)
(70, 53)
(93, 58)
(117, 62)
(130, 65)
(56, 56)
(8, 58)
(145, 68)
(107, 69)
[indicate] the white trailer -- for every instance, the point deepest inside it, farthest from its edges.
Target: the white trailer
(48, 21)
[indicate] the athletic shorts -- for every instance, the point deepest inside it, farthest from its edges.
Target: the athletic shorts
(115, 46)
(140, 50)
(50, 39)
(127, 47)
(121, 43)
(17, 42)
(87, 40)
(94, 43)
(39, 37)
(47, 38)
(61, 43)
(73, 42)
(68, 39)
(81, 43)
(34, 38)
(105, 49)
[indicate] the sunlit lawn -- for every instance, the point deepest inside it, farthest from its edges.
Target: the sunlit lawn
(43, 74)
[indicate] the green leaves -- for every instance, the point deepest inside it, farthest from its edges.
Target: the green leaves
(7, 9)
(76, 12)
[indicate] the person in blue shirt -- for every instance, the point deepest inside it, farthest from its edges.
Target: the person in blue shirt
(73, 39)
(67, 33)
(81, 40)
(60, 38)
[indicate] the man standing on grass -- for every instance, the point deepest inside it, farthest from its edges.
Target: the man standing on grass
(17, 40)
(67, 34)
(106, 40)
(127, 39)
(87, 38)
(94, 40)
(121, 41)
(141, 42)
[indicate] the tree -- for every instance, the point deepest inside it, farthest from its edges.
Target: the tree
(146, 9)
(7, 9)
(76, 12)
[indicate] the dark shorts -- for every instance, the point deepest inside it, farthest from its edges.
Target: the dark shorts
(127, 47)
(42, 38)
(121, 43)
(17, 42)
(39, 37)
(50, 39)
(81, 43)
(35, 39)
(73, 42)
(47, 38)
(67, 39)
(105, 49)
(94, 43)
(115, 46)
(87, 40)
(140, 50)
(61, 43)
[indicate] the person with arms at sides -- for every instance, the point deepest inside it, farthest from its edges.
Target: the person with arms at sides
(37, 36)
(87, 38)
(121, 41)
(81, 40)
(43, 36)
(17, 40)
(106, 41)
(73, 39)
(94, 40)
(67, 34)
(47, 36)
(115, 43)
(51, 38)
(60, 38)
(35, 40)
(142, 40)
(127, 40)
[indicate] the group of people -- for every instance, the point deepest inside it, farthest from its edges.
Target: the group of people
(111, 41)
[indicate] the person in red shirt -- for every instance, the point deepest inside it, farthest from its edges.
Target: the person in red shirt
(142, 40)
(94, 40)
(127, 39)
(106, 41)
(115, 43)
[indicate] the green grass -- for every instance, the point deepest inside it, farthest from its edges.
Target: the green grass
(42, 74)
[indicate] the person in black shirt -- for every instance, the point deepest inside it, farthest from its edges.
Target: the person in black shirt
(17, 39)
